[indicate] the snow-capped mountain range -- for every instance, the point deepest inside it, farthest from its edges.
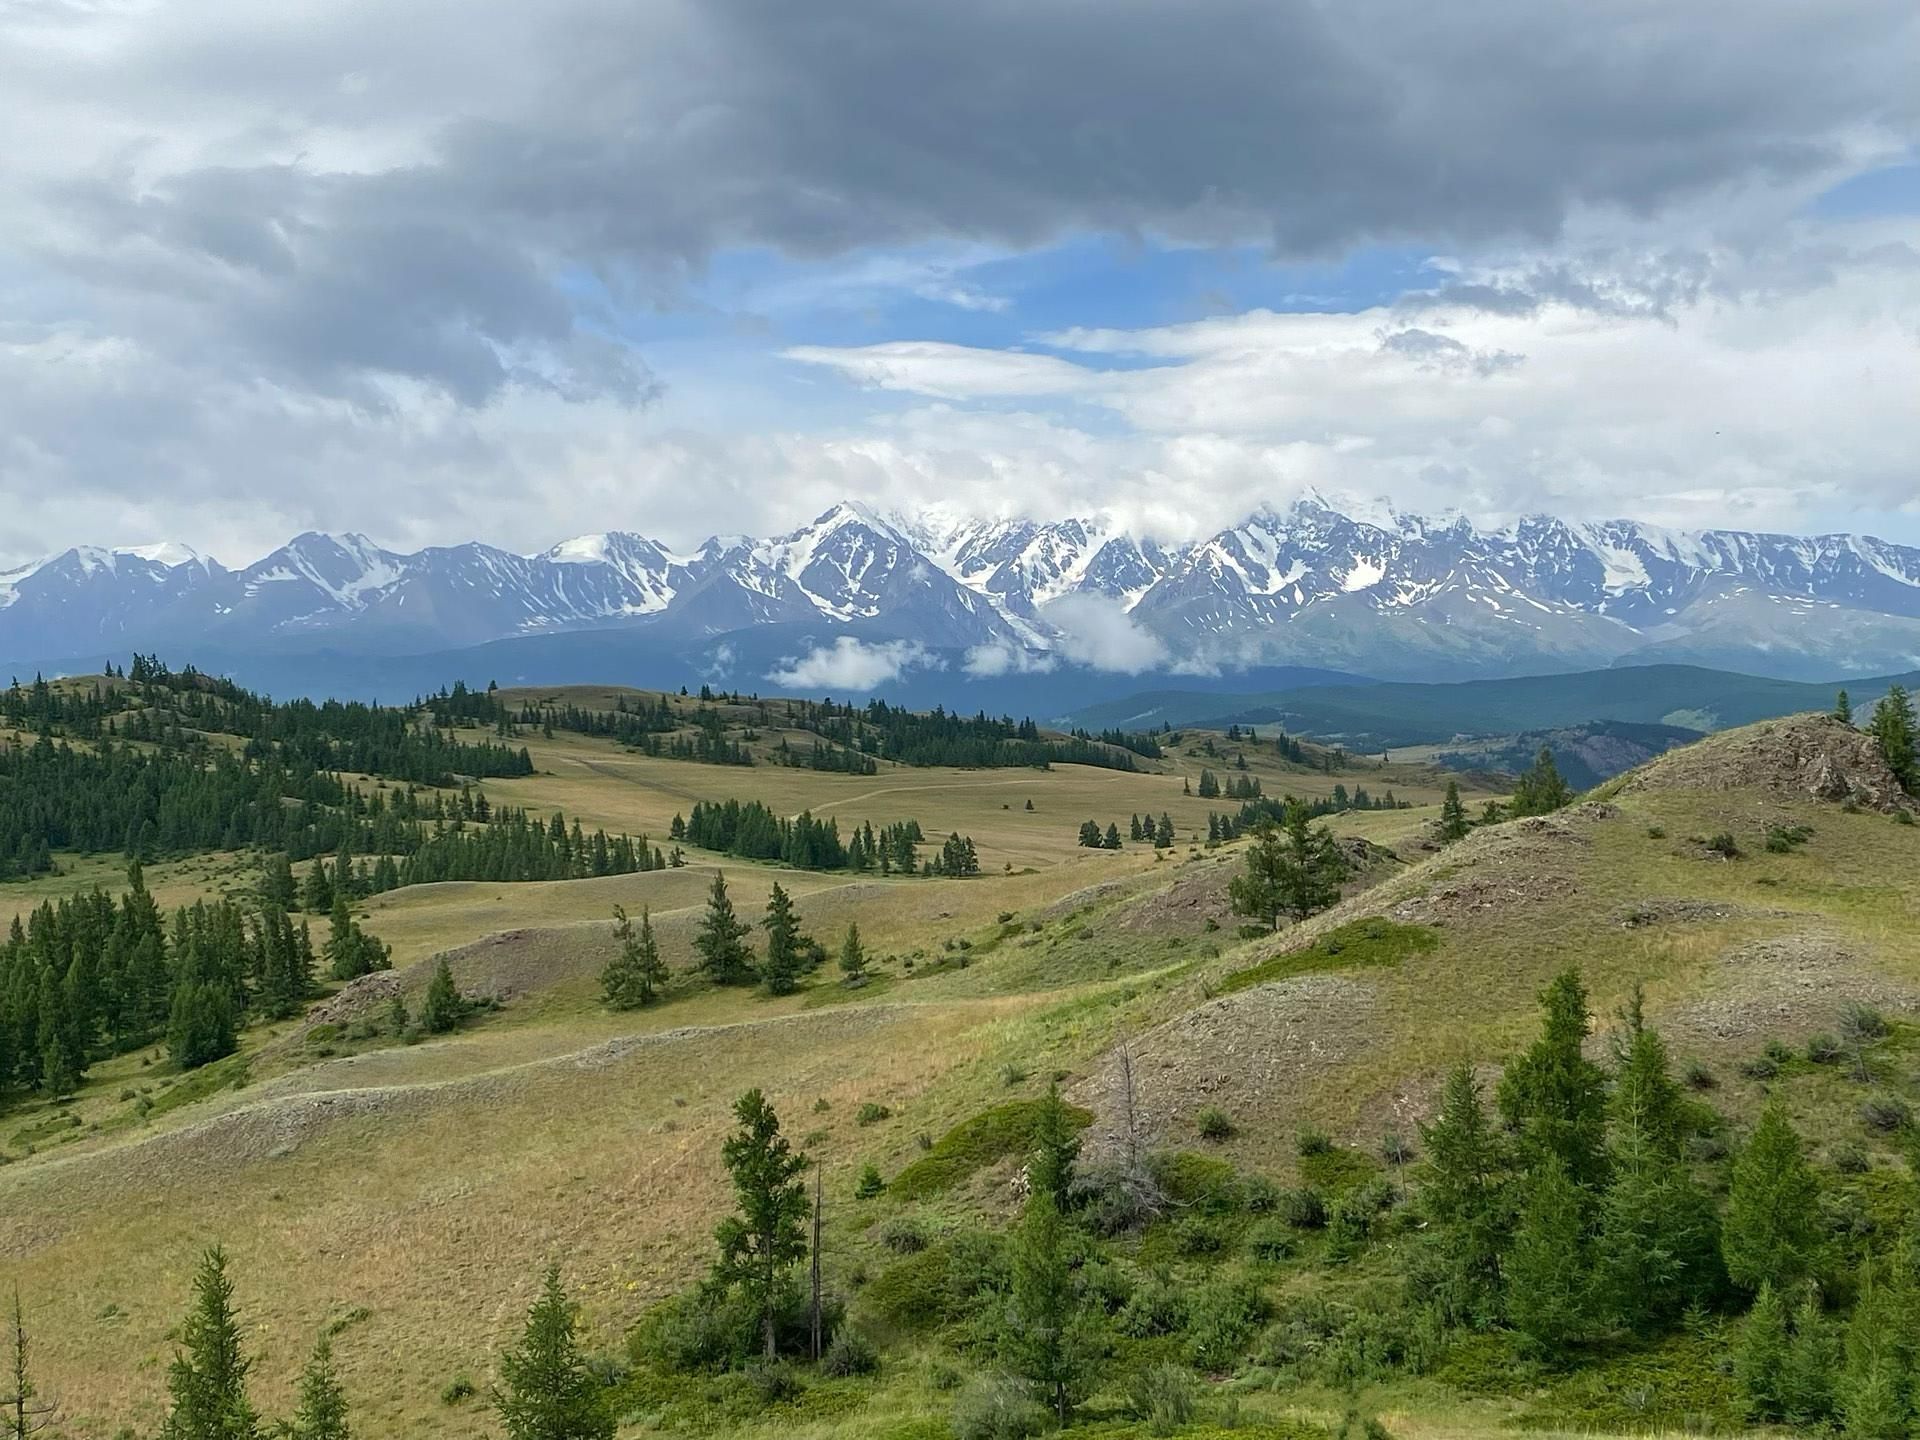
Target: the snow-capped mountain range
(1385, 594)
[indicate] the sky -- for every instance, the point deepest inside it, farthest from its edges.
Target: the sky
(440, 272)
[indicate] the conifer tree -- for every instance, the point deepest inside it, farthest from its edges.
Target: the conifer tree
(207, 1382)
(1090, 835)
(1056, 1146)
(760, 1245)
(781, 968)
(635, 974)
(1541, 790)
(26, 1414)
(546, 1391)
(441, 1008)
(1894, 730)
(1813, 1359)
(1875, 1382)
(1553, 1096)
(1843, 708)
(853, 957)
(1657, 1251)
(1453, 815)
(1465, 1197)
(1548, 1275)
(1051, 1337)
(276, 886)
(1294, 871)
(1111, 840)
(720, 940)
(317, 894)
(1644, 1091)
(1771, 1232)
(1760, 1361)
(322, 1412)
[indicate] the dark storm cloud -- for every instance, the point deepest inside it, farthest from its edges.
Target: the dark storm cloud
(335, 208)
(630, 141)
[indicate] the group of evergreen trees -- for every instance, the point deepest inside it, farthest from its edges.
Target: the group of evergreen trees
(1238, 787)
(1092, 837)
(749, 830)
(936, 737)
(1293, 869)
(88, 977)
(1575, 1215)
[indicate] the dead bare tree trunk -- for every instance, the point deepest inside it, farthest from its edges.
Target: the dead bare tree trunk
(1127, 1115)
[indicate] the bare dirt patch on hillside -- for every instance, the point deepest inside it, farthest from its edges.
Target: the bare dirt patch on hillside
(1799, 758)
(1787, 985)
(1252, 1054)
(1533, 861)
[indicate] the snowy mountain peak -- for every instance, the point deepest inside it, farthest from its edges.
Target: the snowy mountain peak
(1320, 581)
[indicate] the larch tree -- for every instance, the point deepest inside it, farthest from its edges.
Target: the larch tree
(720, 940)
(766, 1238)
(207, 1381)
(546, 1391)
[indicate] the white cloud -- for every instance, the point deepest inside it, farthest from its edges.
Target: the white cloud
(1095, 632)
(1001, 657)
(852, 665)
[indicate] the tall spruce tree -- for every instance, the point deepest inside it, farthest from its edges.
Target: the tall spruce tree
(780, 971)
(1549, 1275)
(1771, 1233)
(1465, 1198)
(720, 940)
(322, 1411)
(1056, 1148)
(1051, 1336)
(1813, 1363)
(207, 1382)
(1453, 815)
(1894, 731)
(1843, 708)
(1760, 1358)
(1657, 1252)
(1874, 1390)
(546, 1391)
(1555, 1098)
(760, 1245)
(853, 957)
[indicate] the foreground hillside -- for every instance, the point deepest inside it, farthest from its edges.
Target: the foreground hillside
(1759, 886)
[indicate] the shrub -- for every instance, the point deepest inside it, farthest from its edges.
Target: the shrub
(1313, 1142)
(1258, 1195)
(992, 1135)
(1214, 1123)
(1699, 1077)
(849, 1354)
(1784, 839)
(1012, 1075)
(1823, 1049)
(1164, 1396)
(772, 1380)
(1396, 1149)
(1115, 1198)
(1724, 845)
(872, 1113)
(1886, 1113)
(1860, 1023)
(1199, 1235)
(1201, 1183)
(1221, 1320)
(1656, 832)
(997, 1407)
(1850, 1159)
(1158, 1307)
(902, 1235)
(457, 1389)
(1270, 1240)
(1760, 1067)
(1303, 1209)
